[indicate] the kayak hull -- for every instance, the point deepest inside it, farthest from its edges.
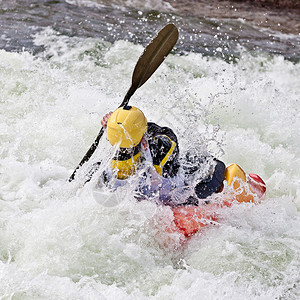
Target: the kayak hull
(189, 220)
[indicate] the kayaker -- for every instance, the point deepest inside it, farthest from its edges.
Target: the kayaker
(151, 152)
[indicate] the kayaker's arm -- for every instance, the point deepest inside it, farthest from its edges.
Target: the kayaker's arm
(213, 183)
(164, 150)
(167, 191)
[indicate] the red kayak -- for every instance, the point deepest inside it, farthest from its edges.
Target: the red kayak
(242, 188)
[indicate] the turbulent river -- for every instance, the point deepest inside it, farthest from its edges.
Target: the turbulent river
(228, 87)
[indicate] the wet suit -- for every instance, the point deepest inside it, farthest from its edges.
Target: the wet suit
(174, 181)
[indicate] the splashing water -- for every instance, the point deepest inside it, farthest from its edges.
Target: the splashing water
(57, 242)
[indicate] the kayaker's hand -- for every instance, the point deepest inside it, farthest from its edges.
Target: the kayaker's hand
(105, 119)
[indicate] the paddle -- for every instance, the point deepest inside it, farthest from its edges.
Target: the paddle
(153, 55)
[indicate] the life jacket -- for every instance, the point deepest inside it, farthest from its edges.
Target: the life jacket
(126, 161)
(164, 152)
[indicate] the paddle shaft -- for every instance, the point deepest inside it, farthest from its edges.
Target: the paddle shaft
(94, 146)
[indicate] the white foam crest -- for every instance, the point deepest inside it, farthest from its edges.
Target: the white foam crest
(255, 246)
(159, 5)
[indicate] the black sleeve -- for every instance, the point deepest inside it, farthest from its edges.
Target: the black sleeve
(213, 183)
(164, 149)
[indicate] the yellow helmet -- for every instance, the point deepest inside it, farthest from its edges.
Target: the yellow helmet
(126, 127)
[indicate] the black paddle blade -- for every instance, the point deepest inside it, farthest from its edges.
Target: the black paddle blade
(154, 54)
(152, 57)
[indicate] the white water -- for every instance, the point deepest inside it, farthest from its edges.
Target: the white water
(148, 4)
(56, 242)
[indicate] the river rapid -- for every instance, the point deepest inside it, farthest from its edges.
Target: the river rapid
(228, 88)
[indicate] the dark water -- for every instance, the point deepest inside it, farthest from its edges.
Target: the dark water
(20, 20)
